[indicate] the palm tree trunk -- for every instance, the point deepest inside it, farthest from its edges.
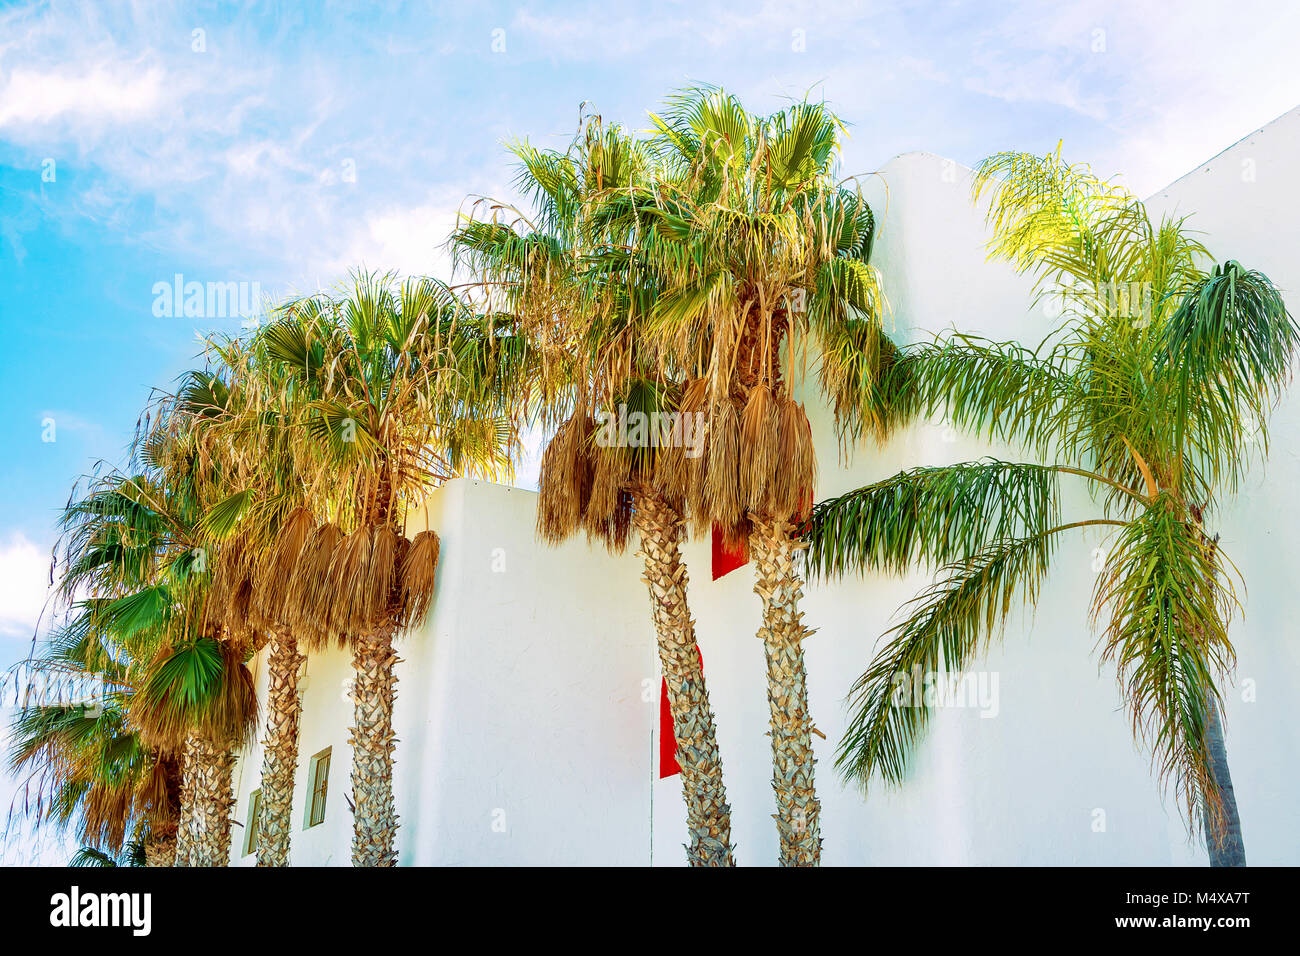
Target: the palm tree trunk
(772, 545)
(279, 751)
(213, 799)
(708, 817)
(1222, 835)
(160, 850)
(374, 834)
(185, 823)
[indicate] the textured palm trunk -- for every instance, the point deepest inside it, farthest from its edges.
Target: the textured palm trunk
(708, 817)
(279, 751)
(772, 547)
(185, 822)
(213, 799)
(374, 834)
(160, 850)
(1222, 836)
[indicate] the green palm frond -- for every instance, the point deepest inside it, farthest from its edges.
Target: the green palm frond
(220, 520)
(945, 627)
(146, 609)
(1164, 604)
(90, 857)
(1000, 390)
(935, 515)
(1227, 352)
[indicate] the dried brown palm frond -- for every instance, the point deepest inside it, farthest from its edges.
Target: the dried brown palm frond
(275, 582)
(417, 576)
(697, 474)
(158, 787)
(106, 810)
(241, 621)
(613, 471)
(695, 396)
(228, 603)
(759, 431)
(672, 472)
(566, 478)
(613, 525)
(722, 490)
(791, 489)
(310, 593)
(381, 576)
(350, 609)
(613, 529)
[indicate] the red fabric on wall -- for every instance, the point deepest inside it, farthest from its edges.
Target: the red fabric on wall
(667, 739)
(668, 765)
(726, 560)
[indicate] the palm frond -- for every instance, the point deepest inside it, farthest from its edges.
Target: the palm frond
(935, 515)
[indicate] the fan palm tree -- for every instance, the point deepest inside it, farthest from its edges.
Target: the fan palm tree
(1148, 393)
(197, 694)
(755, 247)
(136, 583)
(397, 388)
(235, 413)
(569, 274)
(84, 765)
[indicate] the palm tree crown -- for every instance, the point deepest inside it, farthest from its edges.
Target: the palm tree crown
(1154, 390)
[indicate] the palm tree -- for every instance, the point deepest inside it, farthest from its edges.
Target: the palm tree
(234, 413)
(398, 389)
(136, 586)
(192, 692)
(567, 275)
(197, 694)
(1149, 392)
(84, 764)
(756, 247)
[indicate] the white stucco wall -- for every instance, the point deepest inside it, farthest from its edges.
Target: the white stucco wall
(527, 707)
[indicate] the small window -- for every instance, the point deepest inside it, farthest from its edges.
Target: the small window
(251, 824)
(318, 776)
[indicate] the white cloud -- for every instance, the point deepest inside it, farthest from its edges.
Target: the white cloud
(236, 157)
(410, 239)
(119, 93)
(24, 581)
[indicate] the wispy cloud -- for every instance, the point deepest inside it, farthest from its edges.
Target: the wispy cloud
(291, 143)
(24, 579)
(100, 95)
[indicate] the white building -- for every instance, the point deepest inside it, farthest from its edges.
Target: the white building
(528, 706)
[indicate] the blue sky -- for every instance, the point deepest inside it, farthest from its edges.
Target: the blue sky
(282, 145)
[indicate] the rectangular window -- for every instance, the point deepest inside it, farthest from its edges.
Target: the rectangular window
(251, 824)
(318, 779)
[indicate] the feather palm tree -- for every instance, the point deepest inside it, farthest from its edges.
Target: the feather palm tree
(1149, 394)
